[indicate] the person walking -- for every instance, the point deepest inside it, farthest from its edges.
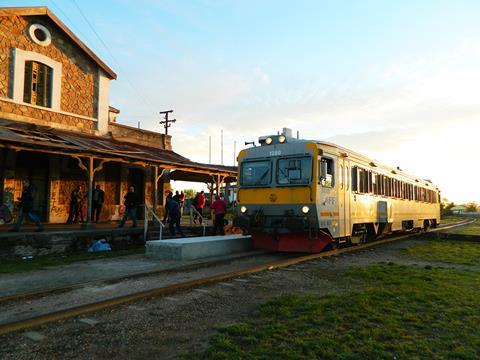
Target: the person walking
(199, 204)
(131, 202)
(97, 201)
(26, 207)
(219, 207)
(173, 210)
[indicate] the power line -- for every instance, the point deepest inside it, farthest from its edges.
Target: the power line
(142, 97)
(72, 23)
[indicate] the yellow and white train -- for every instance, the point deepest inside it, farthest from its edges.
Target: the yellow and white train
(302, 195)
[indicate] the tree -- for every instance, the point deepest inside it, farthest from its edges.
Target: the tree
(471, 207)
(189, 193)
(446, 208)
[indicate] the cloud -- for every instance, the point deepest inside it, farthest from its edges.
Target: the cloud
(409, 112)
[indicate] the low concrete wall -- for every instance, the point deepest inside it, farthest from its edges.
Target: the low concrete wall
(197, 248)
(16, 245)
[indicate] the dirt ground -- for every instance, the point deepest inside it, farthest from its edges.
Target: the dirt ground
(167, 327)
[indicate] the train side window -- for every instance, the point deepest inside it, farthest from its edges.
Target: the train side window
(370, 182)
(326, 172)
(361, 180)
(375, 183)
(354, 178)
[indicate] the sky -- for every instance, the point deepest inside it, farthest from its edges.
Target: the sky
(398, 81)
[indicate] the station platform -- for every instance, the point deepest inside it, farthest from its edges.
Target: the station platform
(58, 239)
(197, 247)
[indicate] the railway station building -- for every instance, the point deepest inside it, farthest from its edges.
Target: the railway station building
(58, 130)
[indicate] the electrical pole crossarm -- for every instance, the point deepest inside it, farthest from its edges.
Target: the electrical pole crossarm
(167, 122)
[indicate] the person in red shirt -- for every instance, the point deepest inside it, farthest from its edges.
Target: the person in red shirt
(199, 204)
(219, 207)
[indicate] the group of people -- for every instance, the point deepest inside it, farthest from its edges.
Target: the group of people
(77, 201)
(174, 211)
(174, 208)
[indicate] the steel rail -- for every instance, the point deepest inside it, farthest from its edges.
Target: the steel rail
(125, 299)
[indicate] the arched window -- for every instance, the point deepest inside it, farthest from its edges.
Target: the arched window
(37, 88)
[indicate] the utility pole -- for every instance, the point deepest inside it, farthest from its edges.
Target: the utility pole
(167, 122)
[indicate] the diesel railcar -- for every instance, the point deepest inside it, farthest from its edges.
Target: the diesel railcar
(303, 196)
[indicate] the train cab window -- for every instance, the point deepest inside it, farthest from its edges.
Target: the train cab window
(294, 171)
(255, 173)
(326, 172)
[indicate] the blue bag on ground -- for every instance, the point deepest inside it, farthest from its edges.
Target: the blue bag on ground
(100, 246)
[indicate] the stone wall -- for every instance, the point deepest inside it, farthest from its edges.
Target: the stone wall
(140, 136)
(15, 246)
(79, 87)
(30, 114)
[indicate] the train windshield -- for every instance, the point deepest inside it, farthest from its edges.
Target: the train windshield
(294, 171)
(255, 173)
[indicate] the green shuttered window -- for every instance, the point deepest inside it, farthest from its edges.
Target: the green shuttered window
(38, 84)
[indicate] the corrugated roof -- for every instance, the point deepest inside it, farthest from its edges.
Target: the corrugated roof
(36, 137)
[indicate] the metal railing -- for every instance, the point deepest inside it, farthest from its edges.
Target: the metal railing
(202, 220)
(145, 223)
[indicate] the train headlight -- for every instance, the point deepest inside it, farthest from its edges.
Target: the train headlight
(281, 139)
(268, 140)
(305, 209)
(243, 209)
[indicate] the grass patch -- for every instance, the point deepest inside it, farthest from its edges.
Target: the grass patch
(402, 312)
(452, 219)
(472, 229)
(456, 252)
(10, 266)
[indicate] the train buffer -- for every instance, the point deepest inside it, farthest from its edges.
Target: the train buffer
(197, 247)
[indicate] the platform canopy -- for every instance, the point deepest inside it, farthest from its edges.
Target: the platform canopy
(26, 136)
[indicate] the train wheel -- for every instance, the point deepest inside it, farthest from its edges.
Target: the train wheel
(426, 225)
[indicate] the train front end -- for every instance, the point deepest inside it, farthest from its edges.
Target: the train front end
(276, 195)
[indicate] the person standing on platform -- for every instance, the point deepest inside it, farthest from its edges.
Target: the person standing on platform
(131, 202)
(26, 207)
(182, 202)
(219, 207)
(173, 210)
(199, 204)
(97, 199)
(177, 197)
(73, 214)
(167, 200)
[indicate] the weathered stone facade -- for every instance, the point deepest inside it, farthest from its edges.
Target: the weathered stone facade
(25, 113)
(79, 88)
(131, 134)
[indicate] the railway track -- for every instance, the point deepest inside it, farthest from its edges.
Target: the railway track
(170, 289)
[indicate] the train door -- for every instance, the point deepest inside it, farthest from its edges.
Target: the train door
(347, 227)
(328, 195)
